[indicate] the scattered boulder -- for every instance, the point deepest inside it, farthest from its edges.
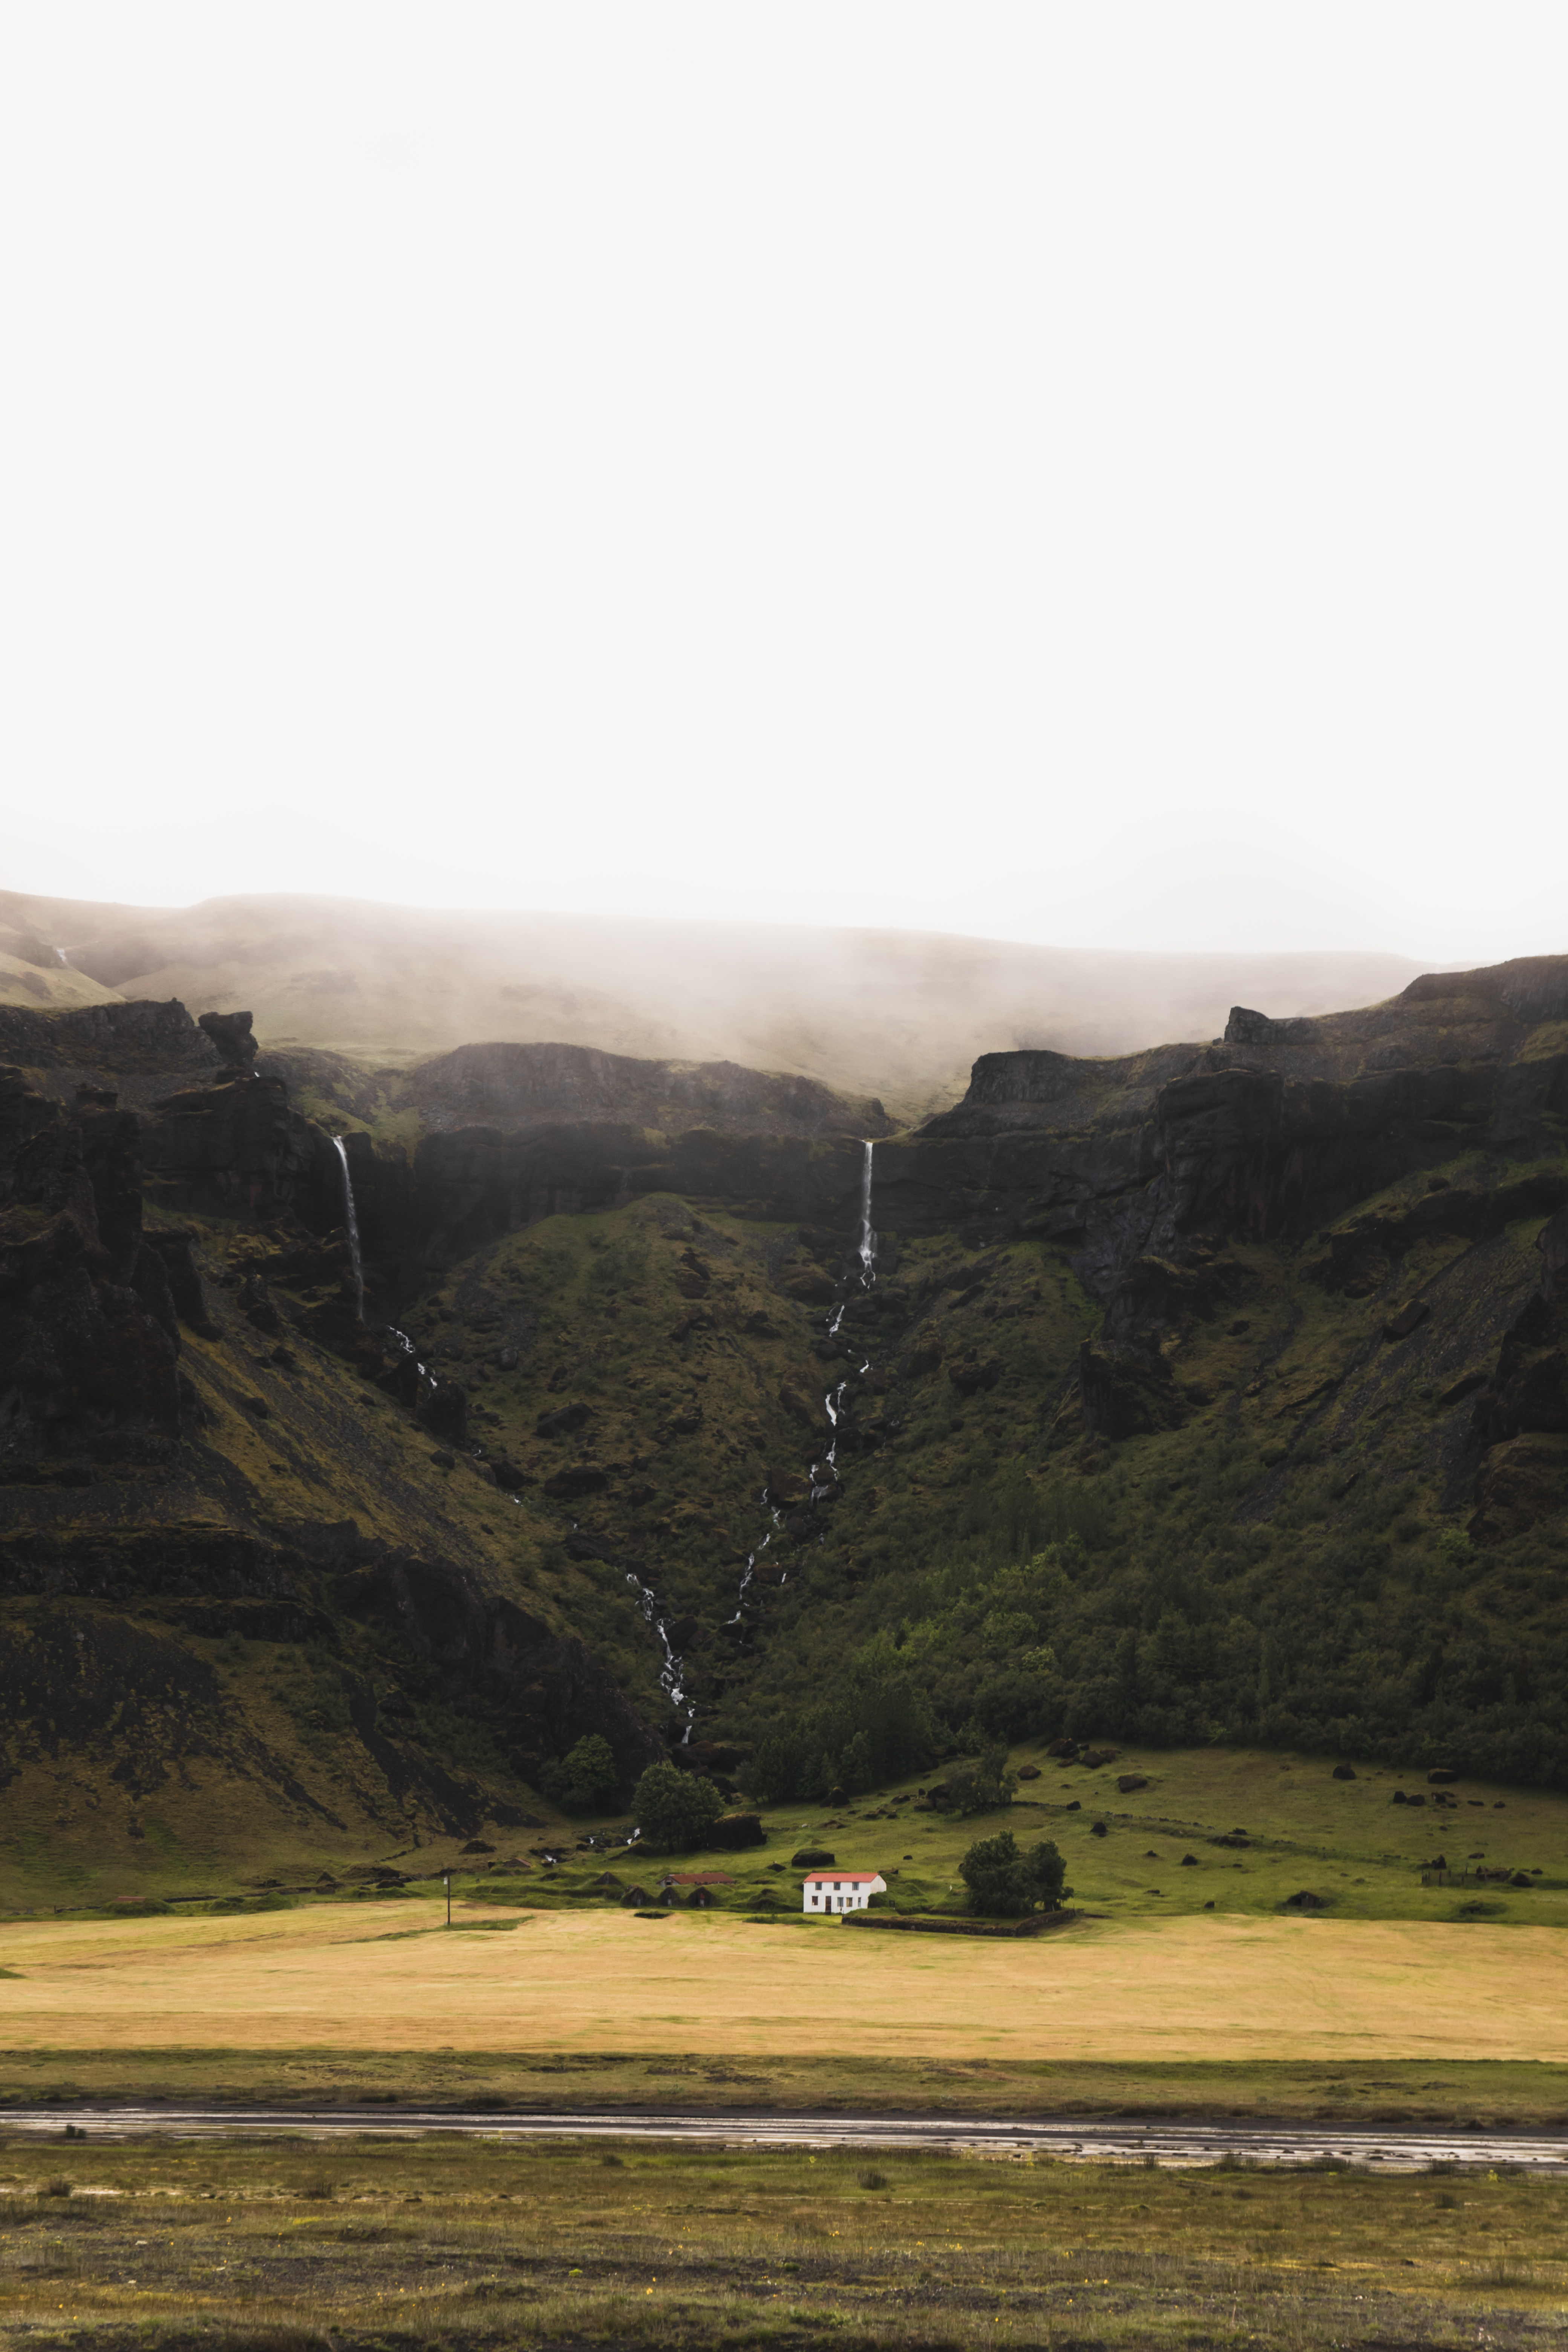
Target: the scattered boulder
(1439, 1774)
(568, 1485)
(1189, 1862)
(1065, 1748)
(810, 1287)
(1344, 1772)
(1520, 1878)
(1099, 1829)
(734, 1829)
(1093, 1758)
(1128, 1782)
(1406, 1319)
(812, 1857)
(1305, 1900)
(444, 1412)
(1399, 1798)
(1028, 1771)
(477, 1845)
(562, 1420)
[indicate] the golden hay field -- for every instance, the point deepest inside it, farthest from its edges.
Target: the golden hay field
(354, 1977)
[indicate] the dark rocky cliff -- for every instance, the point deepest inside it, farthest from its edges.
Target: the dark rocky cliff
(513, 1087)
(1272, 1131)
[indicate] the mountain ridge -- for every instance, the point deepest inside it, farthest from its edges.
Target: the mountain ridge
(899, 1015)
(1220, 1391)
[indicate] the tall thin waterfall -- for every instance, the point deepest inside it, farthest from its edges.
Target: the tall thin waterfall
(352, 1221)
(867, 1241)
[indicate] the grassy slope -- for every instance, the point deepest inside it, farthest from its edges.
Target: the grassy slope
(1310, 1492)
(1343, 1840)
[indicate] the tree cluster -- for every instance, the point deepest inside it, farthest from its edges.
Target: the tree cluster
(1006, 1883)
(674, 1809)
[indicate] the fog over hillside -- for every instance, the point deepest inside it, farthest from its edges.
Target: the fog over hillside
(902, 1014)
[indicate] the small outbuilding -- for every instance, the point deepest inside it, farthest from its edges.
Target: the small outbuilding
(840, 1891)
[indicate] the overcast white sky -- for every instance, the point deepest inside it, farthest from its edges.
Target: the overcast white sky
(1083, 473)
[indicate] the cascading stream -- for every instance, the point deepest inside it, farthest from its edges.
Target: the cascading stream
(670, 1672)
(355, 1261)
(833, 1402)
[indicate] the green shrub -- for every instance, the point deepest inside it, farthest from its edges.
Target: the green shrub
(980, 1786)
(584, 1778)
(674, 1809)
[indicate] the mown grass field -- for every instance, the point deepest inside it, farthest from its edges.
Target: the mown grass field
(472, 2243)
(353, 1977)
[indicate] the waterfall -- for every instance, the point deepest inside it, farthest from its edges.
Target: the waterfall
(341, 1148)
(867, 1241)
(671, 1674)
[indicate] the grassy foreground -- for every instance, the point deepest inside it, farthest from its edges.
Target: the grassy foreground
(470, 2244)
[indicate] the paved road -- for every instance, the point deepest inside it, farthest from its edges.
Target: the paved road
(1085, 2142)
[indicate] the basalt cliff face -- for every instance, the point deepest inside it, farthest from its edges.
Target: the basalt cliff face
(1273, 1130)
(1389, 1152)
(1221, 1390)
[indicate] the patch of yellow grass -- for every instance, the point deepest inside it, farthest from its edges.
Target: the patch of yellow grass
(1149, 1989)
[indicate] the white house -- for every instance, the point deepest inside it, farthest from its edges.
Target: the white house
(841, 1890)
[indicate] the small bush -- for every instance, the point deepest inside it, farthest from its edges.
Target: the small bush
(871, 2179)
(57, 2189)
